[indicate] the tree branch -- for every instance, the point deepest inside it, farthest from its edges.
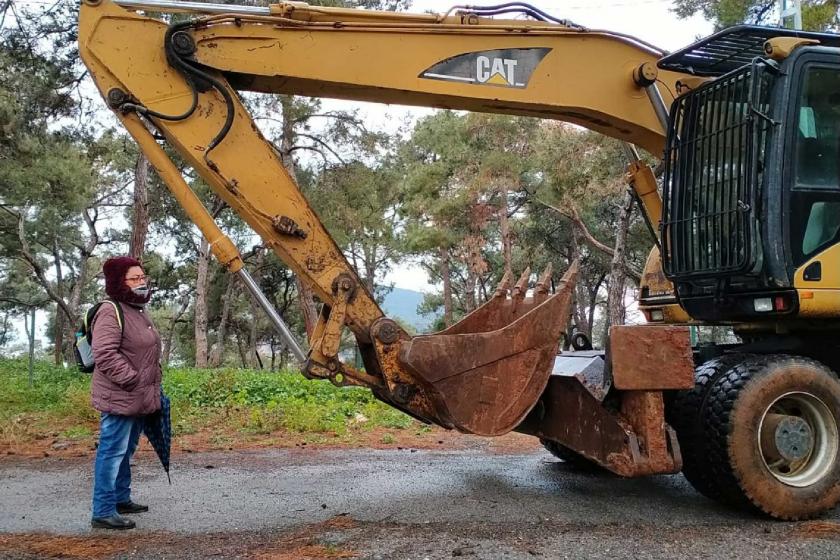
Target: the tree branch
(322, 143)
(573, 215)
(38, 270)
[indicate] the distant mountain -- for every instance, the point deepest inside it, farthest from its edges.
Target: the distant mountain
(403, 304)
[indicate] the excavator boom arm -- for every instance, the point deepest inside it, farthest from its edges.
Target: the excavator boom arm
(456, 62)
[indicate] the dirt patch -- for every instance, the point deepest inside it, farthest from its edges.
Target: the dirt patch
(305, 552)
(93, 547)
(33, 437)
(818, 530)
(221, 439)
(303, 544)
(511, 444)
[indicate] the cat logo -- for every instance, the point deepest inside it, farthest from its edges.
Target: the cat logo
(498, 71)
(501, 67)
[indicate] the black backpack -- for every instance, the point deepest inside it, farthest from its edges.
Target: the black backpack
(83, 348)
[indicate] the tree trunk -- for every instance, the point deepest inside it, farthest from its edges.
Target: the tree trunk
(256, 313)
(281, 365)
(58, 336)
(273, 354)
(60, 311)
(593, 302)
(446, 275)
(307, 306)
(242, 354)
(5, 328)
(370, 272)
(218, 352)
(504, 228)
(618, 277)
(469, 291)
(75, 301)
(581, 318)
(201, 287)
(170, 333)
(31, 332)
(140, 218)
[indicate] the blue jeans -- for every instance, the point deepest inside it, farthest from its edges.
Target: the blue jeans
(118, 437)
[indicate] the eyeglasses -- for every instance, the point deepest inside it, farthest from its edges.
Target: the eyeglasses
(136, 278)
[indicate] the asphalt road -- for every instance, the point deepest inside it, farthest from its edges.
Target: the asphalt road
(274, 505)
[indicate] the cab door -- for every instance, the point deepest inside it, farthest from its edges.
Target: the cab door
(813, 178)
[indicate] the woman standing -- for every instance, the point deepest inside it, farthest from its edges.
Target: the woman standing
(125, 387)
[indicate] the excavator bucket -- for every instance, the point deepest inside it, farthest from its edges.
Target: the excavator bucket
(488, 370)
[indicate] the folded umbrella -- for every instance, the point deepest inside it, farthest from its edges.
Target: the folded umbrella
(158, 429)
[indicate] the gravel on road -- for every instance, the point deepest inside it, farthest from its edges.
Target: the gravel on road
(373, 504)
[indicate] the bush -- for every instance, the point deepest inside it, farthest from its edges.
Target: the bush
(54, 388)
(253, 401)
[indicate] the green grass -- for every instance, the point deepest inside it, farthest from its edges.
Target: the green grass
(77, 432)
(242, 401)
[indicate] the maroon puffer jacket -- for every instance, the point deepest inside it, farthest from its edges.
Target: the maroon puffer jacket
(126, 378)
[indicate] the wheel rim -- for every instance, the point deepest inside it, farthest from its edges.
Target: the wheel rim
(798, 439)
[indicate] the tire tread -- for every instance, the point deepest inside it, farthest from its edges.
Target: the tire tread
(722, 399)
(685, 416)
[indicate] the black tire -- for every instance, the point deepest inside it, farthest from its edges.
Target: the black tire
(737, 404)
(581, 342)
(684, 414)
(572, 458)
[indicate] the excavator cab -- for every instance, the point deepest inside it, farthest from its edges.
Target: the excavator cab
(752, 187)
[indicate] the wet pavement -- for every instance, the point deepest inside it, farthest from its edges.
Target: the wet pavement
(387, 504)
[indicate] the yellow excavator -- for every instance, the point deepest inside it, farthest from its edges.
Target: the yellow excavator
(747, 223)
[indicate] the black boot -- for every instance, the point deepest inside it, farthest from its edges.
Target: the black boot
(131, 507)
(112, 522)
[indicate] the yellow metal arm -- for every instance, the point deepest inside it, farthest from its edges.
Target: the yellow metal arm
(514, 67)
(124, 52)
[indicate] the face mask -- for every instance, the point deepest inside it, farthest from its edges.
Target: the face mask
(141, 291)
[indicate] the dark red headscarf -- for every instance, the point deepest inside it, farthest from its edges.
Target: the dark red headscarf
(115, 286)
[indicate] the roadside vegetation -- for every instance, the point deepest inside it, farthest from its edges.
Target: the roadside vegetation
(220, 408)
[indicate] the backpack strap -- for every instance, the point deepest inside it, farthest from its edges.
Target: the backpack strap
(87, 325)
(91, 315)
(119, 310)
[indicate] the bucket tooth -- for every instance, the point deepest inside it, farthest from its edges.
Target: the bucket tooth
(521, 287)
(543, 285)
(504, 286)
(545, 279)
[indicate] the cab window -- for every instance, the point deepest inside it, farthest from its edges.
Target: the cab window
(815, 208)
